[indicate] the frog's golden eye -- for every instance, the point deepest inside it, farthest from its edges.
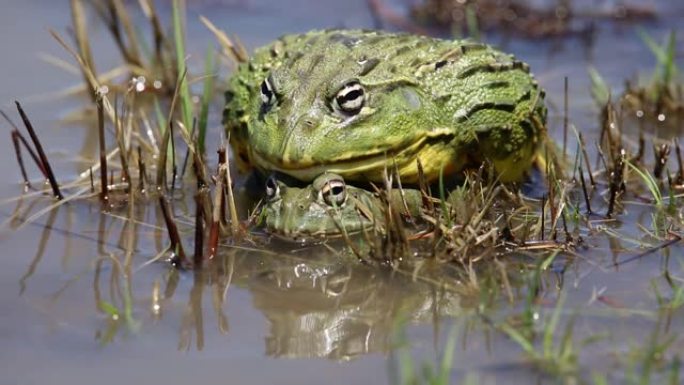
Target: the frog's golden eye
(334, 191)
(272, 188)
(268, 97)
(350, 98)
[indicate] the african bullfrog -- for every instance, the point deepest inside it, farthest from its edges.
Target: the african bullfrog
(328, 207)
(356, 102)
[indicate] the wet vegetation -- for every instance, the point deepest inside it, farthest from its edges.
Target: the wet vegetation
(528, 19)
(492, 258)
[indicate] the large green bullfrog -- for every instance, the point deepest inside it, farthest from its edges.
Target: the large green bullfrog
(356, 102)
(328, 207)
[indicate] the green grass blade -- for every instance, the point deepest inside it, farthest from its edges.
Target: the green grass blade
(179, 37)
(447, 357)
(516, 336)
(110, 309)
(442, 198)
(472, 24)
(599, 89)
(206, 99)
(655, 48)
(549, 260)
(669, 66)
(674, 373)
(650, 182)
(599, 379)
(551, 326)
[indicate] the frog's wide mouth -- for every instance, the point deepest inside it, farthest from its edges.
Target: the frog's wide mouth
(306, 237)
(317, 235)
(366, 166)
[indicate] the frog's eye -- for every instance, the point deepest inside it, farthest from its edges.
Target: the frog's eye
(272, 188)
(268, 97)
(350, 98)
(334, 191)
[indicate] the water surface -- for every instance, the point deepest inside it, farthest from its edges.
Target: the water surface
(289, 317)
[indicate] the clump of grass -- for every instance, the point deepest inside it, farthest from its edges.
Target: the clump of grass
(663, 95)
(659, 99)
(402, 368)
(146, 134)
(552, 356)
(38, 155)
(475, 222)
(520, 17)
(654, 360)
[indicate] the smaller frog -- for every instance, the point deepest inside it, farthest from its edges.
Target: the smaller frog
(328, 208)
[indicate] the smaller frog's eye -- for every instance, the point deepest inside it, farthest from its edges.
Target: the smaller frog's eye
(268, 97)
(350, 98)
(272, 188)
(334, 191)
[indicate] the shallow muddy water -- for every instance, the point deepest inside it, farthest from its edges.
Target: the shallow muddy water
(293, 315)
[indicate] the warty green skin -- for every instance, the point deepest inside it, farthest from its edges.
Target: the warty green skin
(450, 104)
(301, 214)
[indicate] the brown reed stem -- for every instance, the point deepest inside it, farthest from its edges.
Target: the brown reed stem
(215, 228)
(565, 116)
(20, 160)
(104, 186)
(199, 230)
(543, 219)
(661, 154)
(15, 133)
(142, 173)
(41, 154)
(172, 229)
(616, 181)
(234, 221)
(680, 173)
(161, 163)
(585, 155)
(584, 189)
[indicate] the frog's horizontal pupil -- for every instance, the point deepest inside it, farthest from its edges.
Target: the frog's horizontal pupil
(337, 190)
(350, 98)
(334, 192)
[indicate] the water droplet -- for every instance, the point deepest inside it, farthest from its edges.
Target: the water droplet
(640, 114)
(157, 84)
(661, 117)
(139, 83)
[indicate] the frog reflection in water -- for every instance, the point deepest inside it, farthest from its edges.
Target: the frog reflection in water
(319, 308)
(328, 208)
